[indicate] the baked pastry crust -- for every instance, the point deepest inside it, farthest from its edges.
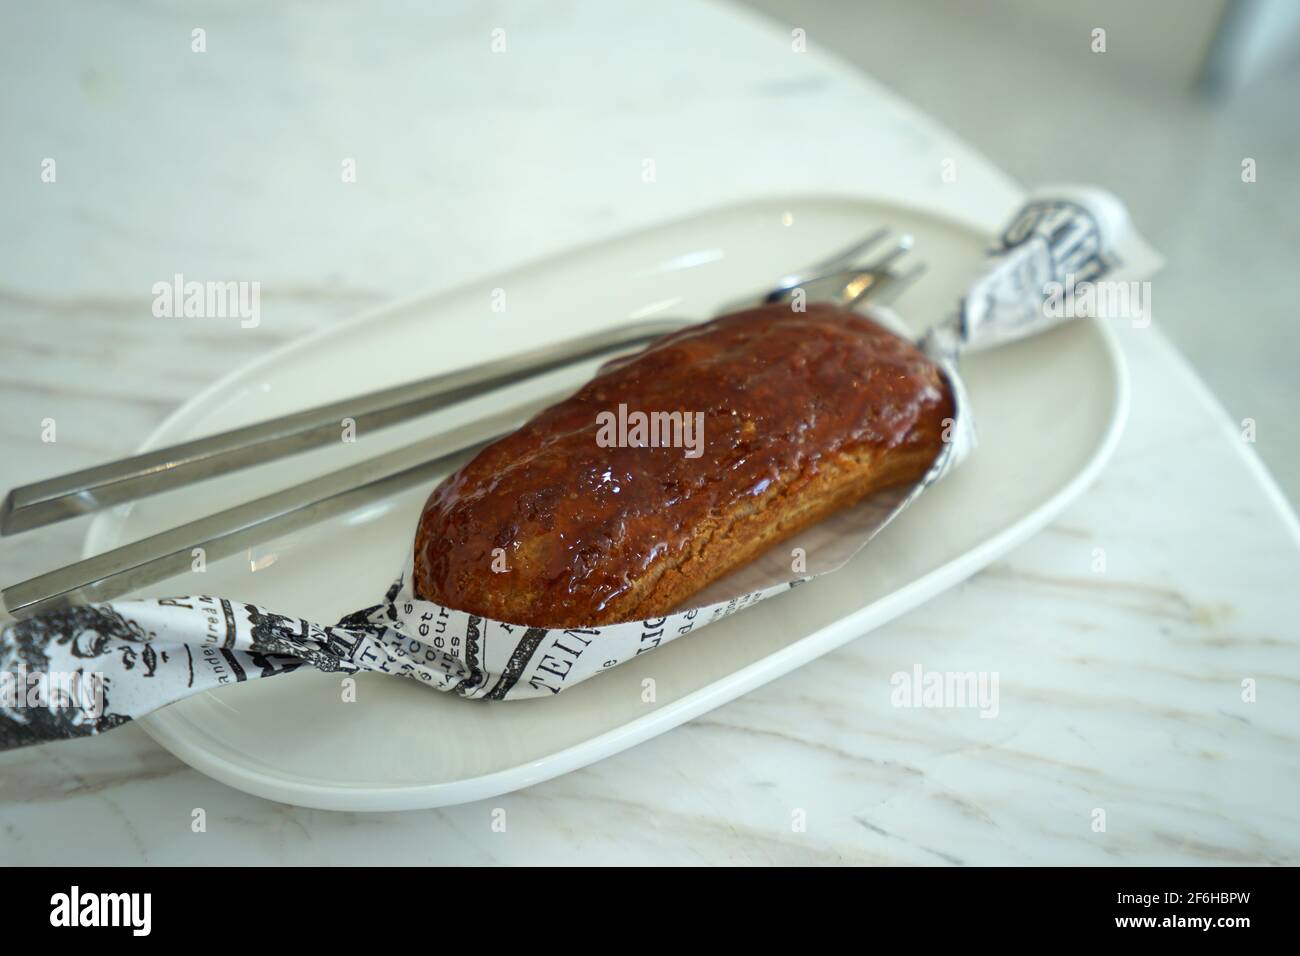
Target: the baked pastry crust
(803, 413)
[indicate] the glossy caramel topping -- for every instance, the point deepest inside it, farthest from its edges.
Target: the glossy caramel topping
(577, 523)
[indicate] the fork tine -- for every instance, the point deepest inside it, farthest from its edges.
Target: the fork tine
(880, 263)
(874, 277)
(851, 284)
(848, 254)
(885, 287)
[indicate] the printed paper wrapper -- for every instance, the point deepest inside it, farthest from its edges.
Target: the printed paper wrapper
(87, 669)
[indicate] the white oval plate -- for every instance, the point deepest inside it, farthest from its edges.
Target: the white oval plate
(1049, 412)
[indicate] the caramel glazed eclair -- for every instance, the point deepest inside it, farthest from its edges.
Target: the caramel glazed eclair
(802, 413)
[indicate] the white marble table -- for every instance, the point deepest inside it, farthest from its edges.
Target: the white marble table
(227, 163)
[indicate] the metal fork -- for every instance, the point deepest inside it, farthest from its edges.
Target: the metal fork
(840, 279)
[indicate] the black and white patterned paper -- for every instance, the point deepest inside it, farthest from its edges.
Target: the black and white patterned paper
(88, 669)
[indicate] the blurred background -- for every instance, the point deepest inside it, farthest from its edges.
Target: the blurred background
(1183, 92)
